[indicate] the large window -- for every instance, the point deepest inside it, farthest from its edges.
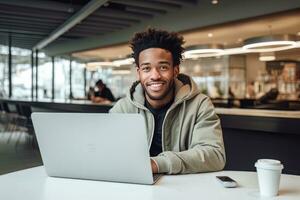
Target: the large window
(44, 76)
(211, 75)
(122, 80)
(21, 73)
(101, 73)
(118, 80)
(3, 71)
(78, 79)
(61, 78)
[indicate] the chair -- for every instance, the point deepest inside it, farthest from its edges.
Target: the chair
(13, 119)
(3, 119)
(24, 111)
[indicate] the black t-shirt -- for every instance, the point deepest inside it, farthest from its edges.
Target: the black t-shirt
(105, 93)
(159, 115)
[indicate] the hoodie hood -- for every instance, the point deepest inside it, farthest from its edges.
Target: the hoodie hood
(185, 89)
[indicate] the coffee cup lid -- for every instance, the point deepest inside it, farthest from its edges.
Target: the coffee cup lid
(269, 164)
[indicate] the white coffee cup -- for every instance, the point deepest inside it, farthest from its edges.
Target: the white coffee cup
(268, 172)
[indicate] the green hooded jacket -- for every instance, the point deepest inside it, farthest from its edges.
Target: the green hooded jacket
(192, 138)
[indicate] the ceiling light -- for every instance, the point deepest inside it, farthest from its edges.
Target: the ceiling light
(126, 61)
(198, 51)
(91, 69)
(267, 56)
(270, 43)
(234, 51)
(214, 2)
(92, 65)
(121, 72)
(210, 35)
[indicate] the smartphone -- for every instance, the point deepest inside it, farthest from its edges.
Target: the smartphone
(227, 181)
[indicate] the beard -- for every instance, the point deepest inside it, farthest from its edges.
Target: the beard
(163, 95)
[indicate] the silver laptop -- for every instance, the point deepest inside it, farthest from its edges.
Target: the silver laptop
(108, 147)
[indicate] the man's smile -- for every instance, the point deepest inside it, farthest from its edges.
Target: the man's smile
(155, 86)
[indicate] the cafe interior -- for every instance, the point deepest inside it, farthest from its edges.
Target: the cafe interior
(244, 55)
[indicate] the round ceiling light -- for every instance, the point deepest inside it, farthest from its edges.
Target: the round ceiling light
(270, 43)
(201, 51)
(94, 66)
(125, 61)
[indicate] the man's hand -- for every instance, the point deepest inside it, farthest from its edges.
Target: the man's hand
(154, 167)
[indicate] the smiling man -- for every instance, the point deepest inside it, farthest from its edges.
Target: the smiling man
(184, 132)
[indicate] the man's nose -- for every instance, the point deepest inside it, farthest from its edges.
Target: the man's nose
(155, 74)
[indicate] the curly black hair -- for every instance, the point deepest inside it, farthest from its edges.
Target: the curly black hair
(152, 38)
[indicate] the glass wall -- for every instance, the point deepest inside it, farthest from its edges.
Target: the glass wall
(61, 78)
(237, 76)
(121, 82)
(3, 71)
(210, 74)
(214, 76)
(44, 77)
(78, 79)
(21, 73)
(117, 79)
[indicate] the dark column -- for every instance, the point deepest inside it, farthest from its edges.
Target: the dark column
(9, 66)
(70, 80)
(84, 76)
(32, 74)
(36, 73)
(53, 78)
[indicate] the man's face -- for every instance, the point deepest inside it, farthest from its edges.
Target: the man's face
(157, 73)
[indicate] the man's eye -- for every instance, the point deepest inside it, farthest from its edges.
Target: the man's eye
(164, 67)
(145, 69)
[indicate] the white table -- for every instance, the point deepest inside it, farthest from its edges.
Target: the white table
(33, 184)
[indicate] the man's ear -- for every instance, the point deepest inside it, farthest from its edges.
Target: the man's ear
(176, 70)
(137, 72)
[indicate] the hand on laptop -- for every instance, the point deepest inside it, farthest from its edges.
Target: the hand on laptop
(154, 166)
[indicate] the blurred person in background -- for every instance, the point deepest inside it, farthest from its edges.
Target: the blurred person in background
(101, 93)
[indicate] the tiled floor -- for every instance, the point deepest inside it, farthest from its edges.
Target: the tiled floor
(16, 152)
